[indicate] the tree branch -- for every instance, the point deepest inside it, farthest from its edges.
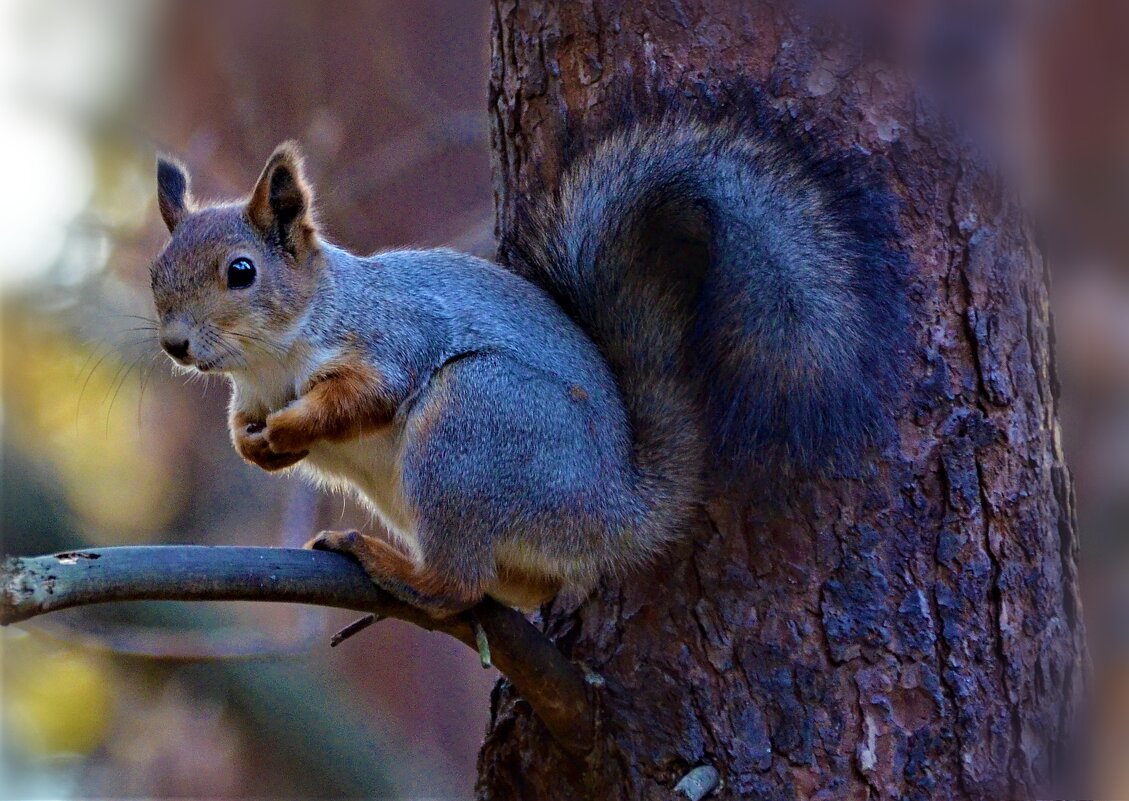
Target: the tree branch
(31, 586)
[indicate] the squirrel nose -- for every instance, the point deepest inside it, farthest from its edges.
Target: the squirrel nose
(177, 348)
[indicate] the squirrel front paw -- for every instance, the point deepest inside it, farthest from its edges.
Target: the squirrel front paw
(288, 429)
(252, 444)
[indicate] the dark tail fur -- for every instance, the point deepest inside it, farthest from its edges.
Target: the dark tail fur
(739, 287)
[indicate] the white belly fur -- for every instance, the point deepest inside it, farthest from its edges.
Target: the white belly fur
(367, 466)
(370, 467)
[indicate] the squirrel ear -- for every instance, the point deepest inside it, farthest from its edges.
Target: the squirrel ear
(173, 196)
(281, 202)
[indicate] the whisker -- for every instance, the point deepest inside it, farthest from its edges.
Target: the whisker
(113, 381)
(110, 408)
(90, 357)
(275, 351)
(135, 317)
(145, 376)
(253, 338)
(121, 383)
(231, 351)
(86, 383)
(129, 343)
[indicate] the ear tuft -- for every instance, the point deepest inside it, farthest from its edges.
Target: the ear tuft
(281, 202)
(173, 195)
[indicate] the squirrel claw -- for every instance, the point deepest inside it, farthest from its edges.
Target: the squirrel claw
(285, 431)
(339, 541)
(253, 446)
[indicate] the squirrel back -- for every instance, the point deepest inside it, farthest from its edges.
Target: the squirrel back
(732, 282)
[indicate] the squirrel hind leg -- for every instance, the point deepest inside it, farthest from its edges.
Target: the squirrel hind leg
(437, 593)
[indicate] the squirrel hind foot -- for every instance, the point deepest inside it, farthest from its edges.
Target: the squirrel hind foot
(438, 595)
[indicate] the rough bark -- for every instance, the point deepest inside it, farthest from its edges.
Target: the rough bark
(912, 632)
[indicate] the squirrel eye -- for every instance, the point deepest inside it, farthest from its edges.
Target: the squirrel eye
(240, 274)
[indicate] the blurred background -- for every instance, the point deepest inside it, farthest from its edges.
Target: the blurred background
(102, 445)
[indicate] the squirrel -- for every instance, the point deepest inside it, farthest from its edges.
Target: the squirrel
(698, 304)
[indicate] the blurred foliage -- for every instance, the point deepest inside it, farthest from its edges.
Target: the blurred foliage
(102, 444)
(76, 409)
(58, 699)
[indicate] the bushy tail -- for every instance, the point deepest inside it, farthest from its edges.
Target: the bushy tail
(742, 291)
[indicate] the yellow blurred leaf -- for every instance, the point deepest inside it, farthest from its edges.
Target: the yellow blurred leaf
(56, 700)
(76, 405)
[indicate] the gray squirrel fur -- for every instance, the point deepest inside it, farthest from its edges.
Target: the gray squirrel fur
(698, 306)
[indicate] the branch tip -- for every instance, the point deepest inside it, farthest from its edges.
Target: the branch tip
(356, 627)
(480, 640)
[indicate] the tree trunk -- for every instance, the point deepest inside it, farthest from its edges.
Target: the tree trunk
(914, 633)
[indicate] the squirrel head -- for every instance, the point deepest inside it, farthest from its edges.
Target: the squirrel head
(235, 278)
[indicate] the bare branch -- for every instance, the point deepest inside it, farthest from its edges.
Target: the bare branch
(32, 586)
(356, 627)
